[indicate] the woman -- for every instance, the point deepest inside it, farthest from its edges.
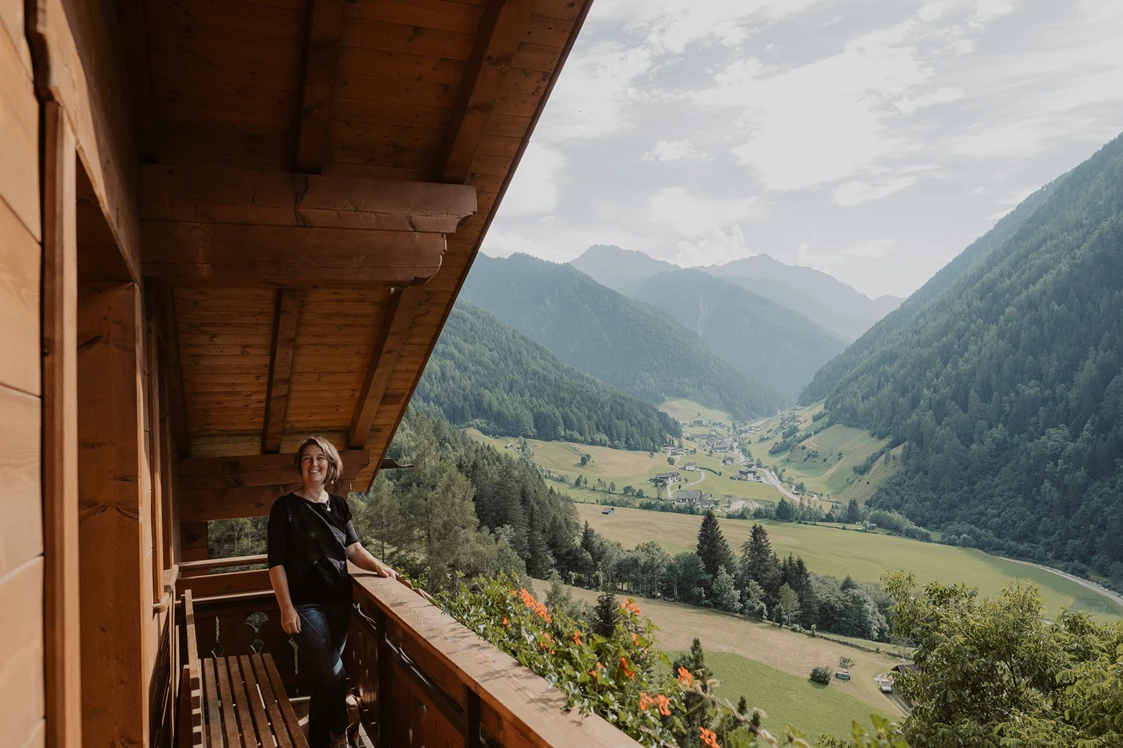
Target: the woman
(311, 539)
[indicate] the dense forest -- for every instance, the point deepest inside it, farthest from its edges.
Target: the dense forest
(1007, 388)
(884, 334)
(486, 375)
(770, 342)
(618, 340)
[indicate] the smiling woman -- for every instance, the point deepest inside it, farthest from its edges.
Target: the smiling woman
(311, 539)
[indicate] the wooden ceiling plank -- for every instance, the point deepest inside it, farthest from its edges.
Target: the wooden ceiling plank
(501, 31)
(322, 30)
(280, 367)
(396, 322)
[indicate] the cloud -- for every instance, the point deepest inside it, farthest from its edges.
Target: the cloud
(939, 96)
(692, 216)
(534, 188)
(869, 250)
(668, 26)
(675, 150)
(850, 194)
(825, 120)
(595, 95)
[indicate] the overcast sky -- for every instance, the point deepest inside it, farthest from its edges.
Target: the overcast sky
(871, 139)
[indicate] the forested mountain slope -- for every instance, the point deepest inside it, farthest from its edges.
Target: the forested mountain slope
(616, 339)
(485, 374)
(883, 334)
(769, 341)
(1007, 389)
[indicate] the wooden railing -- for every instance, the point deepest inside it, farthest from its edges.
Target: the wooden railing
(442, 684)
(424, 679)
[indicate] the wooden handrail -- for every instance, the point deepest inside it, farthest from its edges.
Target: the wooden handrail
(518, 707)
(207, 565)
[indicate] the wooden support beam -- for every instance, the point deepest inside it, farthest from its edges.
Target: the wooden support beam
(217, 254)
(501, 29)
(62, 616)
(202, 506)
(403, 307)
(208, 194)
(285, 318)
(255, 470)
(323, 27)
(116, 602)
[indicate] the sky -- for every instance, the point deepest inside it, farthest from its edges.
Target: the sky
(870, 139)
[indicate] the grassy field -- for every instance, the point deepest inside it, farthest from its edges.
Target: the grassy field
(864, 556)
(791, 699)
(685, 410)
(770, 665)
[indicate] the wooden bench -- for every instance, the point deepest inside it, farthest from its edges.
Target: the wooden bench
(237, 701)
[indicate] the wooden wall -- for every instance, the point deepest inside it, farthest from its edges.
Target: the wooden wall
(21, 532)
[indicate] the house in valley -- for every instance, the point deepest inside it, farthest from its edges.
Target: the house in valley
(665, 479)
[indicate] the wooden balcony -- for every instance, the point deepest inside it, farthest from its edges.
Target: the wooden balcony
(420, 677)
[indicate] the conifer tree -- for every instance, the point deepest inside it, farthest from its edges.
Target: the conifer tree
(607, 613)
(712, 548)
(758, 562)
(697, 713)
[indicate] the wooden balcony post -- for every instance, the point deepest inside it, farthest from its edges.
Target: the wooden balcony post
(385, 685)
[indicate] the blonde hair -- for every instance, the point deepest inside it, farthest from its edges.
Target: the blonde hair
(335, 462)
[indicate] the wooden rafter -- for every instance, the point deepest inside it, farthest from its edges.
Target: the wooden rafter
(323, 27)
(501, 30)
(163, 305)
(214, 226)
(285, 319)
(396, 321)
(207, 194)
(134, 42)
(217, 254)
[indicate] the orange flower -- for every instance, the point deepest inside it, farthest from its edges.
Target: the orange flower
(645, 702)
(685, 678)
(664, 705)
(709, 738)
(595, 672)
(506, 623)
(576, 637)
(629, 607)
(627, 670)
(635, 639)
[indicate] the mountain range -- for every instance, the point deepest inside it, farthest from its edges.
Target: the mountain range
(619, 340)
(810, 293)
(765, 339)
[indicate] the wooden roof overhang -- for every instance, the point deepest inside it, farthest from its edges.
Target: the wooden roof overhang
(316, 177)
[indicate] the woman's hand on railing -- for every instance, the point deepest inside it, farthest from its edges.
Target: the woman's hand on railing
(290, 620)
(383, 570)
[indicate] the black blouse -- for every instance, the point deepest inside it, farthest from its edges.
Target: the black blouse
(310, 540)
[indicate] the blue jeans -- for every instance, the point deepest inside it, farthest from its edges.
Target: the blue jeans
(322, 637)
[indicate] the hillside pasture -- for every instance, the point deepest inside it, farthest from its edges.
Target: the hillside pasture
(686, 410)
(864, 556)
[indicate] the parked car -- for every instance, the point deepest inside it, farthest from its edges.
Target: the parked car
(842, 675)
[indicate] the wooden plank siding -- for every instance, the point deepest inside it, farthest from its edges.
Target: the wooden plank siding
(22, 562)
